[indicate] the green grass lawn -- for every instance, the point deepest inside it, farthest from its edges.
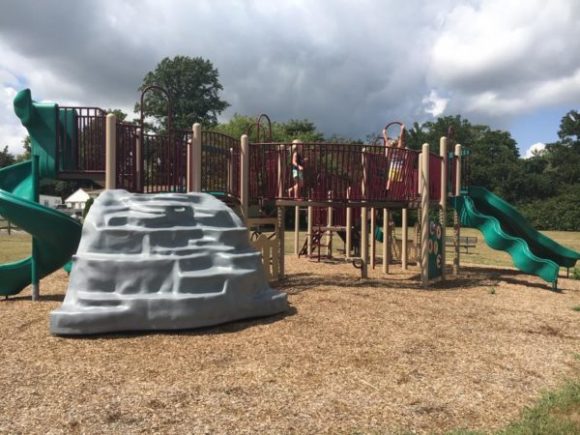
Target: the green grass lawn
(481, 254)
(15, 246)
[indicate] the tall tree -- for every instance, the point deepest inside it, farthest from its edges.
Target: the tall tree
(194, 87)
(302, 129)
(6, 157)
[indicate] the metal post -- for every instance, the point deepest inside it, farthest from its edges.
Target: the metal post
(309, 232)
(373, 244)
(329, 232)
(139, 161)
(231, 171)
(244, 175)
(189, 166)
(364, 242)
(34, 278)
(424, 170)
(348, 243)
(296, 230)
(443, 201)
(405, 235)
(111, 152)
(385, 240)
(280, 180)
(456, 222)
(196, 158)
(280, 226)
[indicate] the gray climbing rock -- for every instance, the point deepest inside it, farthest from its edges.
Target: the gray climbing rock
(163, 262)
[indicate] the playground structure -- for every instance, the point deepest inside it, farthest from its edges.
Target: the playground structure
(346, 186)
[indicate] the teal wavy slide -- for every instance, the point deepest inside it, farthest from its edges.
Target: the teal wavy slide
(56, 235)
(504, 228)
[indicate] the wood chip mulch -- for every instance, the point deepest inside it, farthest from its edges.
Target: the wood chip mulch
(377, 355)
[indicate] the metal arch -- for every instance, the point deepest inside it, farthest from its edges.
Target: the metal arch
(258, 125)
(402, 140)
(169, 106)
(142, 122)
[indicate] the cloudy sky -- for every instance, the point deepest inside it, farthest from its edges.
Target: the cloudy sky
(349, 66)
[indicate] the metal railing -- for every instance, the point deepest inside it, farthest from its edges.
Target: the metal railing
(334, 171)
(126, 167)
(220, 163)
(80, 141)
(435, 177)
(164, 162)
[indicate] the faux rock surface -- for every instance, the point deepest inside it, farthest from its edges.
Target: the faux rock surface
(163, 262)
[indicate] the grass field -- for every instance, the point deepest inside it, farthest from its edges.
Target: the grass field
(481, 254)
(490, 351)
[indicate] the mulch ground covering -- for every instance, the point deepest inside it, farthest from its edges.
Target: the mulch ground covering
(352, 355)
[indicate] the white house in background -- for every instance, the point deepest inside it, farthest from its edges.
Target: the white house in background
(77, 200)
(49, 201)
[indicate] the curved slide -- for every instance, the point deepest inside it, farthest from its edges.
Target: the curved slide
(56, 235)
(503, 228)
(515, 224)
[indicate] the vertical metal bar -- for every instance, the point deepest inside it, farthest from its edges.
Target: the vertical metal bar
(424, 171)
(34, 278)
(386, 240)
(456, 221)
(404, 237)
(443, 200)
(111, 152)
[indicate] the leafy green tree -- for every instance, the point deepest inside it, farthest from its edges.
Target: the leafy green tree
(281, 131)
(194, 87)
(119, 114)
(6, 158)
(494, 157)
(570, 127)
(27, 145)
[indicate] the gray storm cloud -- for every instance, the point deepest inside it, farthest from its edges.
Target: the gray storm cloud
(349, 67)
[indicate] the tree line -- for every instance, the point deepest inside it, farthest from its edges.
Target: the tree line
(545, 187)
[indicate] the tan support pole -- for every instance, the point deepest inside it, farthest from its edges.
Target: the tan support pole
(296, 230)
(139, 161)
(244, 175)
(196, 158)
(372, 234)
(424, 170)
(456, 222)
(280, 179)
(189, 167)
(231, 171)
(111, 152)
(364, 242)
(364, 233)
(329, 232)
(404, 237)
(386, 246)
(309, 231)
(280, 227)
(443, 201)
(348, 243)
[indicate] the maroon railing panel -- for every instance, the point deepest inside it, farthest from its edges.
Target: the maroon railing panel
(220, 163)
(334, 171)
(126, 171)
(434, 177)
(164, 163)
(80, 139)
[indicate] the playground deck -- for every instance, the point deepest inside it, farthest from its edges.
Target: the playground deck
(353, 355)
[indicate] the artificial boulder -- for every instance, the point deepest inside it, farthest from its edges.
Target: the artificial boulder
(163, 262)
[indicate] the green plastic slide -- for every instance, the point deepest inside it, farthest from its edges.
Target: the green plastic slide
(504, 228)
(57, 235)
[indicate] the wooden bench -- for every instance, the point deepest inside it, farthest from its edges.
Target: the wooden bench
(464, 242)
